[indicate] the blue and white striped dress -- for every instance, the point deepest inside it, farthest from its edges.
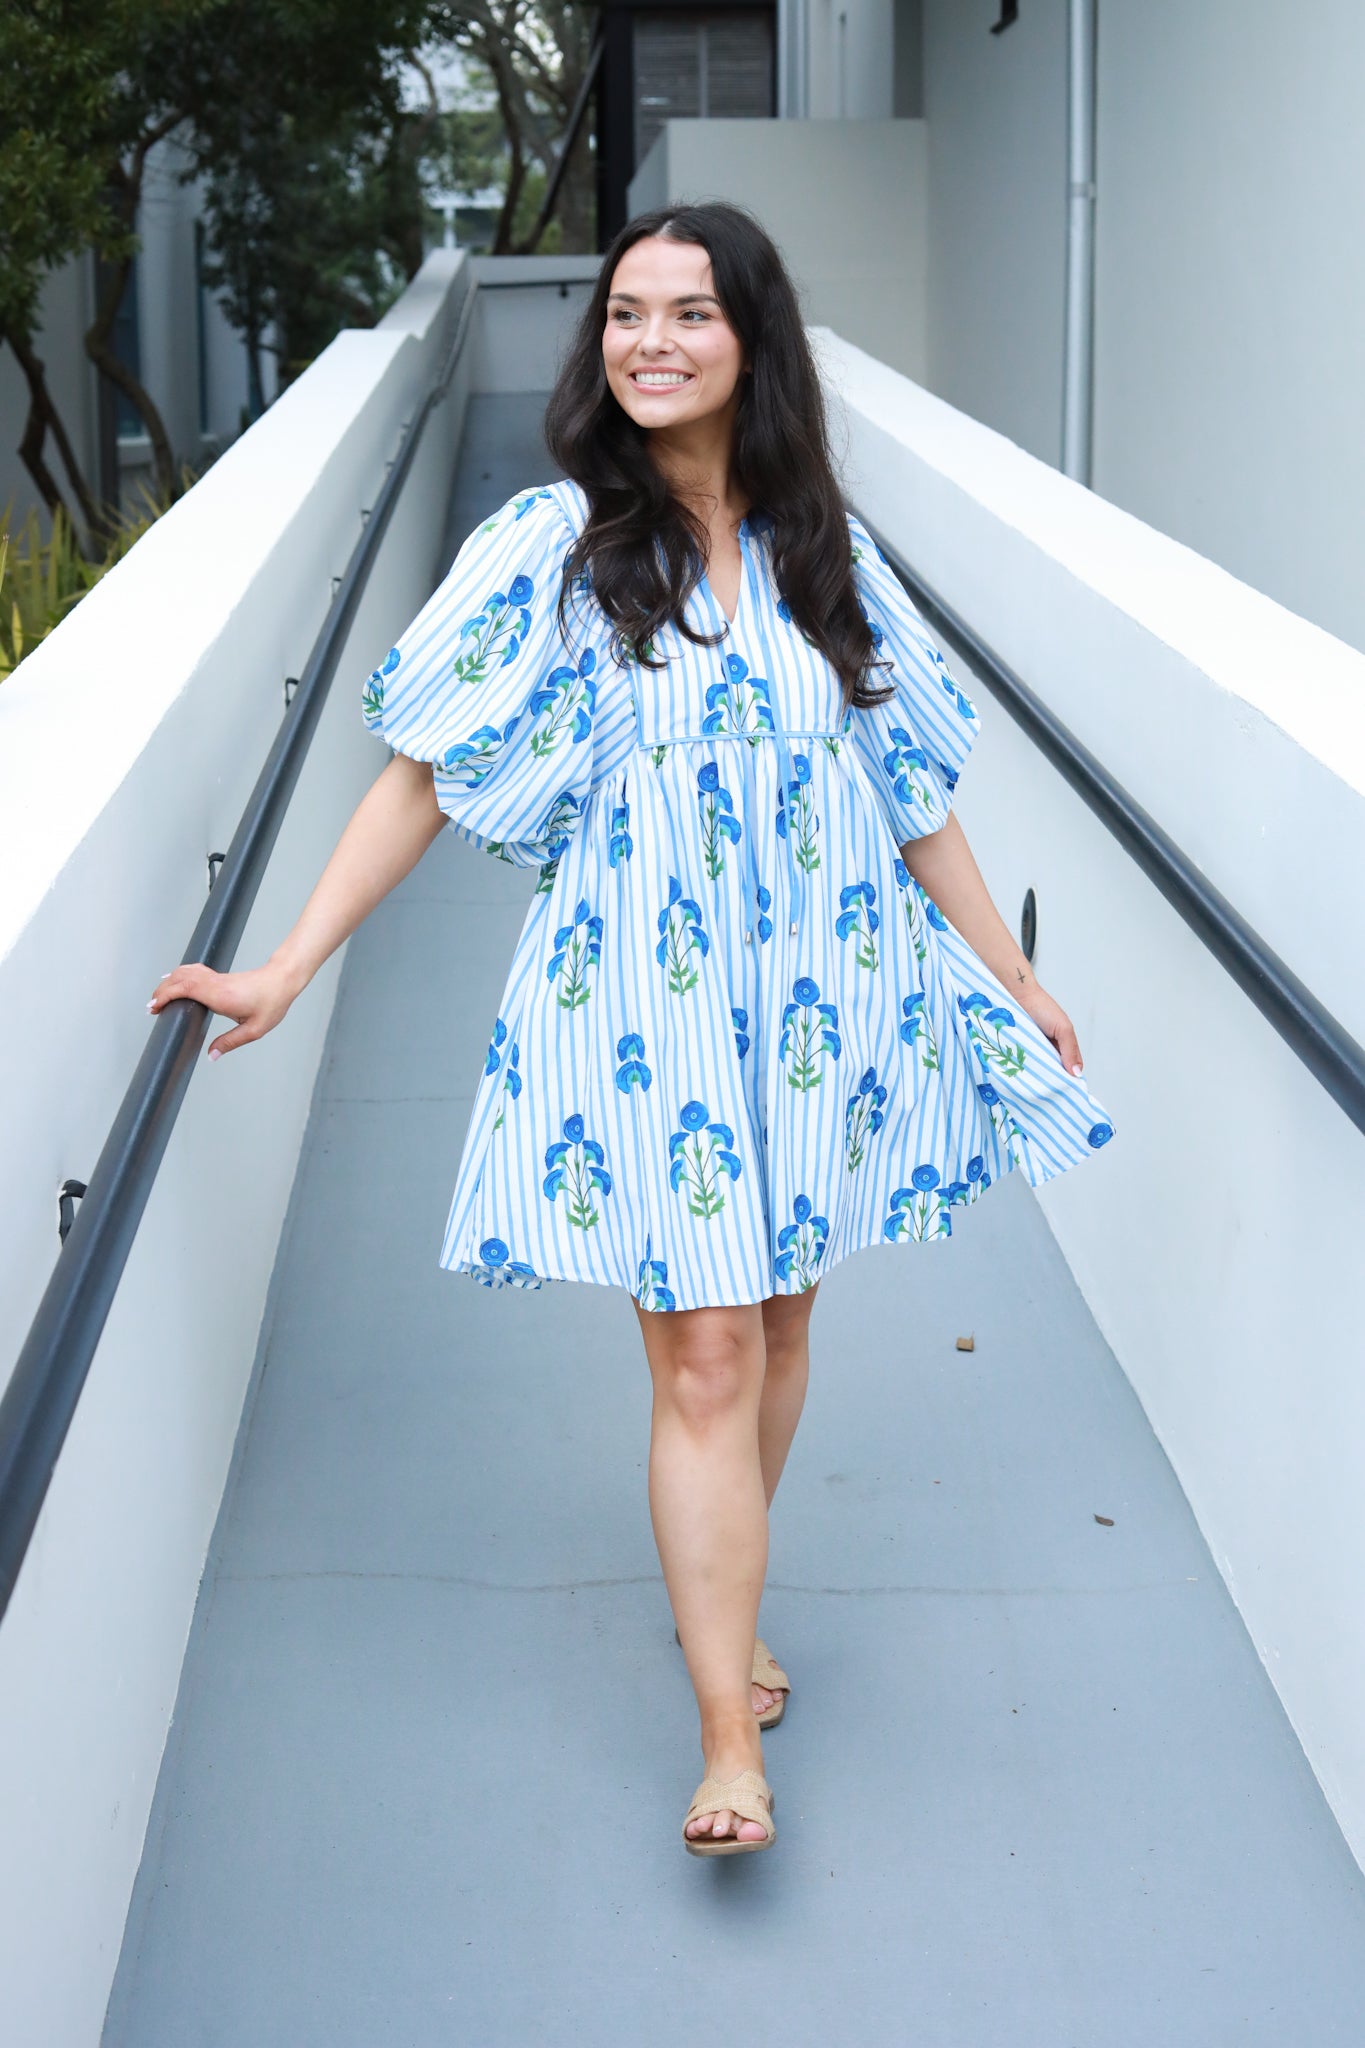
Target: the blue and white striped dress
(737, 1041)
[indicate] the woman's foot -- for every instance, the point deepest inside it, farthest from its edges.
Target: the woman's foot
(729, 1752)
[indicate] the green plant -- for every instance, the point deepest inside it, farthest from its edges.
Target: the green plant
(42, 579)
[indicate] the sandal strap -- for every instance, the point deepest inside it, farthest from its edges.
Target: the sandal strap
(749, 1796)
(767, 1671)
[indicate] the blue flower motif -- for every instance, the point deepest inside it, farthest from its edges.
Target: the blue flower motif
(976, 1167)
(701, 1155)
(500, 1269)
(632, 1072)
(494, 1057)
(718, 820)
(858, 919)
(863, 1117)
(468, 762)
(577, 1164)
(578, 948)
(765, 923)
(569, 695)
(682, 934)
(902, 872)
(925, 1177)
(919, 1212)
(810, 1030)
(519, 590)
(932, 911)
(801, 1244)
(801, 767)
(391, 661)
(1100, 1134)
(987, 1093)
(651, 1289)
(621, 845)
(1000, 1015)
(740, 1019)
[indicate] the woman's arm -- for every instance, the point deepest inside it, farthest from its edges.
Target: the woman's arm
(943, 864)
(391, 828)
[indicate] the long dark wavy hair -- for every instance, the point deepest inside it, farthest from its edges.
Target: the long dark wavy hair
(641, 550)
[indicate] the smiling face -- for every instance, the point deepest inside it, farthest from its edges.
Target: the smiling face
(671, 357)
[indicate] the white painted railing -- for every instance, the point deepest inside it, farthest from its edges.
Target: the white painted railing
(1217, 1239)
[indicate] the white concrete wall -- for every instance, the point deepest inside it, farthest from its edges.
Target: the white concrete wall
(128, 745)
(1230, 273)
(1230, 268)
(1218, 1238)
(521, 329)
(845, 201)
(850, 60)
(995, 109)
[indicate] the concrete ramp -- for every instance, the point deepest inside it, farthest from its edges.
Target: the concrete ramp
(434, 1739)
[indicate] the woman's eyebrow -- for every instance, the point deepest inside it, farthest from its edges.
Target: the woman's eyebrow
(688, 299)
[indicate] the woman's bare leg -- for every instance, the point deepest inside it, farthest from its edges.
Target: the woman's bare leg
(786, 1336)
(710, 1517)
(786, 1340)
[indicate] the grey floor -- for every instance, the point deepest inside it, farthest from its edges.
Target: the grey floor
(434, 1739)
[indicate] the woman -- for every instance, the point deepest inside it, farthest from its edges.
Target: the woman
(762, 1011)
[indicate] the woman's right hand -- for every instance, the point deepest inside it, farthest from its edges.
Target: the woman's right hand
(256, 998)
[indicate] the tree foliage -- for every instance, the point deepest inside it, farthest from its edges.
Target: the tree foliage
(313, 168)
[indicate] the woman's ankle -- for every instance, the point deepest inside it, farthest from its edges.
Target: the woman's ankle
(732, 1739)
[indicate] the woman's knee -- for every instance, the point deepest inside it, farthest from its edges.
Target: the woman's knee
(712, 1365)
(786, 1331)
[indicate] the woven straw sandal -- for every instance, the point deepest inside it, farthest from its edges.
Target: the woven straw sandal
(768, 1673)
(748, 1797)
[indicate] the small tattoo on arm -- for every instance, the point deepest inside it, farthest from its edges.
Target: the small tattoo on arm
(1021, 974)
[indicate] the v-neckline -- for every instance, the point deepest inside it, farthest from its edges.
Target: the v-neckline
(732, 623)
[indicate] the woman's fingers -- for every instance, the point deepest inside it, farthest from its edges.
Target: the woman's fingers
(1065, 1042)
(1055, 1025)
(230, 1040)
(193, 980)
(255, 999)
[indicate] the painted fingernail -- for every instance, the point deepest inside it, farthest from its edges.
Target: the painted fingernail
(215, 1052)
(1075, 1070)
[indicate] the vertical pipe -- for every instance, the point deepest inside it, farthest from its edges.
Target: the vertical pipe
(1078, 345)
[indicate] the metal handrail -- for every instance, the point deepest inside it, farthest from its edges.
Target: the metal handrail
(1327, 1049)
(38, 1404)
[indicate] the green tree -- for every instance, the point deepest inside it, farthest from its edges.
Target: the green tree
(72, 155)
(535, 52)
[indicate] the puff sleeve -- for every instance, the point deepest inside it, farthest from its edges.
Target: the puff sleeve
(913, 745)
(482, 685)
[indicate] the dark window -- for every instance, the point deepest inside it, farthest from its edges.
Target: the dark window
(692, 65)
(126, 342)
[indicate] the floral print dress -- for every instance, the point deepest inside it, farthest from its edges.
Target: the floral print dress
(737, 1040)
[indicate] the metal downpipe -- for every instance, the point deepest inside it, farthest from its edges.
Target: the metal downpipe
(1078, 372)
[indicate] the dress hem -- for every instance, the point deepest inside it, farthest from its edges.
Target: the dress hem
(517, 1274)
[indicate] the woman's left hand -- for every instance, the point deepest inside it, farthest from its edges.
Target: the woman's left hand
(1054, 1024)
